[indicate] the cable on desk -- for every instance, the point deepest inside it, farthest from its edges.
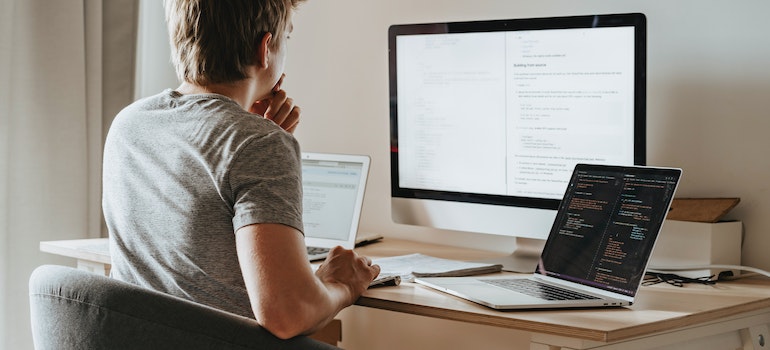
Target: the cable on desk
(652, 278)
(753, 270)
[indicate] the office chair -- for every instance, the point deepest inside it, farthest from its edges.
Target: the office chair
(75, 309)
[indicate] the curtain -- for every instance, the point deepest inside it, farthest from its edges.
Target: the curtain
(66, 68)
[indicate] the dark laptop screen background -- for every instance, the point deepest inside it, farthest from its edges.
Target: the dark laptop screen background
(607, 226)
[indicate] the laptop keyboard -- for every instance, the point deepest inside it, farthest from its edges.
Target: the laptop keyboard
(317, 250)
(538, 289)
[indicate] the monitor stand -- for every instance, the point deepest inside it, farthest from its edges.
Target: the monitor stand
(524, 258)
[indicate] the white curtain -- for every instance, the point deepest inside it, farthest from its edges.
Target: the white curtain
(66, 67)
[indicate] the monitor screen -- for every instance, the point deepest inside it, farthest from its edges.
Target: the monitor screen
(489, 118)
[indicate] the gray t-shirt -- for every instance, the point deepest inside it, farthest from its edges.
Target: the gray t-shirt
(181, 175)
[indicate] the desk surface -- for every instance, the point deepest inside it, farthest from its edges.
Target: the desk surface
(658, 308)
(95, 249)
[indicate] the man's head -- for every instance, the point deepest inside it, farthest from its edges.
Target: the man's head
(214, 41)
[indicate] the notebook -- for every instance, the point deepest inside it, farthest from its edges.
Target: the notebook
(598, 248)
(333, 188)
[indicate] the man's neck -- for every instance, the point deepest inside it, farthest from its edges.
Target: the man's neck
(242, 92)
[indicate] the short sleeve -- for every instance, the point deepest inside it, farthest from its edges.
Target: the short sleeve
(266, 181)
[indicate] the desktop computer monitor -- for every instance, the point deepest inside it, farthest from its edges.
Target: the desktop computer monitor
(489, 118)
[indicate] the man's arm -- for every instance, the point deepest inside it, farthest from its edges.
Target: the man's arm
(287, 298)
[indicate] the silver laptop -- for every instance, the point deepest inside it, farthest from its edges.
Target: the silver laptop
(333, 188)
(598, 248)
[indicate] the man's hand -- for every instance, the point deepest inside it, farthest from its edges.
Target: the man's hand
(345, 267)
(279, 108)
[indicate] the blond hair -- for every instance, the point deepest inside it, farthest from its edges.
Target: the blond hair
(213, 41)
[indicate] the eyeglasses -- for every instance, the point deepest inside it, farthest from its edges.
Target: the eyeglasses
(653, 278)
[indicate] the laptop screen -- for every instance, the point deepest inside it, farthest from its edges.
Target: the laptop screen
(607, 225)
(333, 187)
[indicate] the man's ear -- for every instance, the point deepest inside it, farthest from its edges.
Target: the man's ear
(263, 51)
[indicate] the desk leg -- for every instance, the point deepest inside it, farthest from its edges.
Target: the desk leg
(95, 267)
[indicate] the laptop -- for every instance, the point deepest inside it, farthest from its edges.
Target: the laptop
(333, 188)
(598, 248)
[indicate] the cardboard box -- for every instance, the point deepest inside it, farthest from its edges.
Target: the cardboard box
(687, 243)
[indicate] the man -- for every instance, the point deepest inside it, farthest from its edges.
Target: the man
(202, 184)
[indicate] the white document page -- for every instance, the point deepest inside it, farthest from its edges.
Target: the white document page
(569, 95)
(489, 113)
(452, 87)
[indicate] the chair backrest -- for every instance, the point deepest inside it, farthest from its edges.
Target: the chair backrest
(75, 309)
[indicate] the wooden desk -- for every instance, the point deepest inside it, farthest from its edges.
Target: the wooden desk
(91, 254)
(730, 315)
(663, 315)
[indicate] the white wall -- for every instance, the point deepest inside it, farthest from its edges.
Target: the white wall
(708, 93)
(154, 71)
